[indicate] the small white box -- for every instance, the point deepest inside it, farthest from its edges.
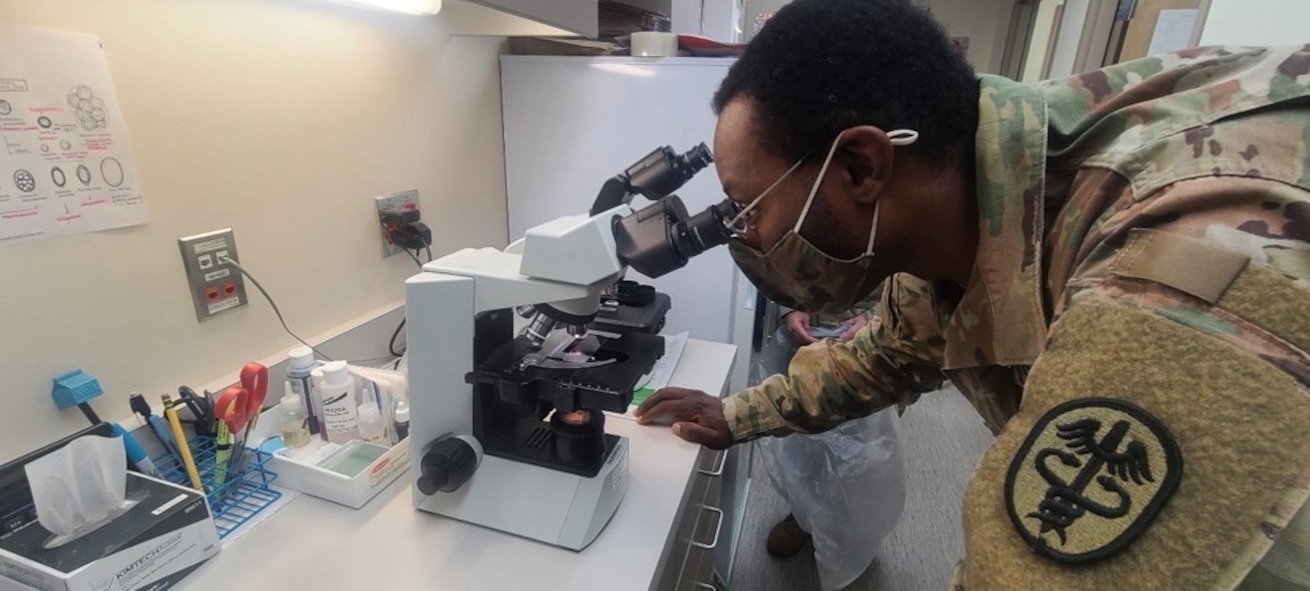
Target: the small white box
(165, 536)
(326, 484)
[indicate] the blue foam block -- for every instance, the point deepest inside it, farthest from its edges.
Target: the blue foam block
(74, 388)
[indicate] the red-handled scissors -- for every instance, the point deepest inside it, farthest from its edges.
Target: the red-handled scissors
(240, 405)
(238, 408)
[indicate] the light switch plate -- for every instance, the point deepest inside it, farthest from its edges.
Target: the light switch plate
(403, 201)
(216, 286)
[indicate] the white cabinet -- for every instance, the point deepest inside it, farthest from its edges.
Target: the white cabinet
(578, 17)
(716, 19)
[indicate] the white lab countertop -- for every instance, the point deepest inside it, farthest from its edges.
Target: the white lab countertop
(316, 544)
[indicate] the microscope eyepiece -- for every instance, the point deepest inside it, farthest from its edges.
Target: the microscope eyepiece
(663, 171)
(704, 230)
(662, 237)
(693, 161)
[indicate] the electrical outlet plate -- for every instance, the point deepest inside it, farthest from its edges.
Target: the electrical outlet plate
(403, 201)
(216, 286)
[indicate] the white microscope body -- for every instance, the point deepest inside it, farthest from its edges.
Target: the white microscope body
(568, 262)
(507, 429)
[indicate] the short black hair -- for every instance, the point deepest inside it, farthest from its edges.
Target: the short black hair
(821, 66)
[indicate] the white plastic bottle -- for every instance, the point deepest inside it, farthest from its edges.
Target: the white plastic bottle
(372, 428)
(295, 421)
(316, 404)
(340, 414)
(299, 365)
(402, 420)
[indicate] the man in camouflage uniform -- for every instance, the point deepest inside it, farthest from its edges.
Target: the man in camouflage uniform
(1114, 268)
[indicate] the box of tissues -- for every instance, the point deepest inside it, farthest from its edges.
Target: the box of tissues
(88, 524)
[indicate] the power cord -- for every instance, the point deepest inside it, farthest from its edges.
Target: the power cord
(415, 258)
(391, 346)
(273, 304)
(403, 232)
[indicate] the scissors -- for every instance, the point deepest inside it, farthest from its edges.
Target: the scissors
(201, 407)
(238, 409)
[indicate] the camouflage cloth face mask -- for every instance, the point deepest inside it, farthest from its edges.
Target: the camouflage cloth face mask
(797, 274)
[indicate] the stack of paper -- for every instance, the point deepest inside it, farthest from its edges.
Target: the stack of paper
(660, 374)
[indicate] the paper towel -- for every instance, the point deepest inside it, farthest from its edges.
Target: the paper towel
(79, 487)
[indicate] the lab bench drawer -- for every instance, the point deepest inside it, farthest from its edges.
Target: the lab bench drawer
(709, 534)
(691, 560)
(697, 571)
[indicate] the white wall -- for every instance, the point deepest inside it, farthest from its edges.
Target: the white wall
(716, 19)
(282, 119)
(1257, 22)
(1067, 37)
(751, 9)
(1044, 27)
(985, 22)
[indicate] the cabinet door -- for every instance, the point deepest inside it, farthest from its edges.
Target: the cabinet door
(577, 16)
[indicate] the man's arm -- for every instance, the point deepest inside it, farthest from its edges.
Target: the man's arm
(831, 382)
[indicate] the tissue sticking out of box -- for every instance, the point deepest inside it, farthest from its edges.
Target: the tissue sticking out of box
(79, 488)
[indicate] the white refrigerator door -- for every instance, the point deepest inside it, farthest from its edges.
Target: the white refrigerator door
(571, 123)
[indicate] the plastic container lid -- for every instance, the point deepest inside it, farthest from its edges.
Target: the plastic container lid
(301, 357)
(335, 372)
(402, 412)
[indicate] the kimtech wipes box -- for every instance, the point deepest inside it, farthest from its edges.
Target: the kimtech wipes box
(165, 534)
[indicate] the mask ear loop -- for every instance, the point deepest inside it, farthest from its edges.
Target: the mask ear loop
(902, 137)
(814, 190)
(757, 200)
(899, 137)
(873, 229)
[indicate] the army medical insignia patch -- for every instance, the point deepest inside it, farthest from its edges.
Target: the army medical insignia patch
(1091, 477)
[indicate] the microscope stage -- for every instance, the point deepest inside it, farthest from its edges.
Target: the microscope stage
(602, 387)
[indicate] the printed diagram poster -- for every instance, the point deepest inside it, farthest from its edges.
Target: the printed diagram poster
(65, 167)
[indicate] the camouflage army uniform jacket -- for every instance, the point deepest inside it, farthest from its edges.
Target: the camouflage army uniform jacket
(1144, 236)
(864, 307)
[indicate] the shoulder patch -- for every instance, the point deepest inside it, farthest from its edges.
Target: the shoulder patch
(1090, 478)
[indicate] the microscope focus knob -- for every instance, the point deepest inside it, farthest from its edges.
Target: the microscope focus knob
(448, 463)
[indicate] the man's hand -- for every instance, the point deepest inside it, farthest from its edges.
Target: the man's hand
(853, 326)
(798, 323)
(697, 416)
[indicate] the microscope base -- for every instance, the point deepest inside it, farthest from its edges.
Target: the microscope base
(547, 505)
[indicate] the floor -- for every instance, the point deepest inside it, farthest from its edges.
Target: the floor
(943, 440)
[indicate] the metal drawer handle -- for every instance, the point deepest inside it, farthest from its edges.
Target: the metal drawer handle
(723, 459)
(717, 528)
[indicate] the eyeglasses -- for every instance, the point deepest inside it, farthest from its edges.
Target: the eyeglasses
(743, 219)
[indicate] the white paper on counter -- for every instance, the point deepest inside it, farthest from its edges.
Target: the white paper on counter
(660, 374)
(65, 167)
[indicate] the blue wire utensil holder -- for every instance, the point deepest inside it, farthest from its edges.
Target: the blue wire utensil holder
(240, 497)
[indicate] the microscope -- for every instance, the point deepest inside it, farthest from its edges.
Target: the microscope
(508, 426)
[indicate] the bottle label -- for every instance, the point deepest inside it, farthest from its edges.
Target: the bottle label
(339, 414)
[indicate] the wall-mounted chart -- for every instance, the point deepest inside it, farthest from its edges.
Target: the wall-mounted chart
(59, 113)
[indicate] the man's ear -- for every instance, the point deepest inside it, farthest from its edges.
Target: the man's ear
(866, 153)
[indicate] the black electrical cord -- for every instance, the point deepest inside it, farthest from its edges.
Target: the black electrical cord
(391, 345)
(414, 258)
